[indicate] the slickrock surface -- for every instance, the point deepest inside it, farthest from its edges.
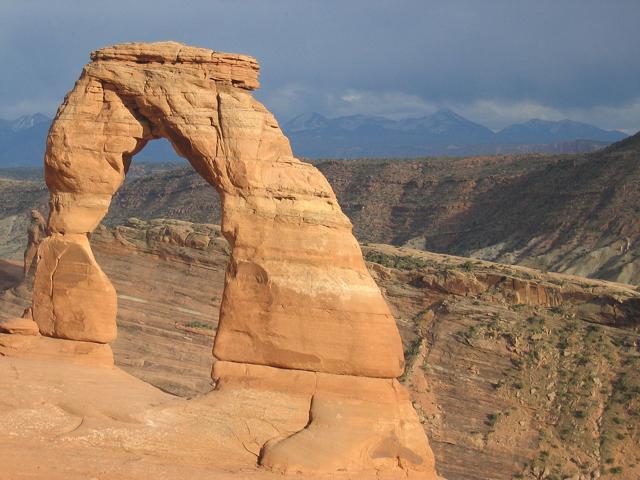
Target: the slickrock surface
(106, 424)
(297, 293)
(30, 347)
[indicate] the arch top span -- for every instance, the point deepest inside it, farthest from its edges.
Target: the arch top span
(239, 70)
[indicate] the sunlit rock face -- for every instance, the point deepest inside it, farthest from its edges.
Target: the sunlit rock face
(299, 312)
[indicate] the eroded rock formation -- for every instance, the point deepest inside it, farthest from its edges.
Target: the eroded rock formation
(300, 312)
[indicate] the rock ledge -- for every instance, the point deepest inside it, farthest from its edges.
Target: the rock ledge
(240, 70)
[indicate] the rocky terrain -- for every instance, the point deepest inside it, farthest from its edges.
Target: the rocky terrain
(575, 214)
(23, 189)
(519, 373)
(568, 213)
(515, 373)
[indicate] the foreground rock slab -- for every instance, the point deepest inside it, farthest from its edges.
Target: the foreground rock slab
(108, 424)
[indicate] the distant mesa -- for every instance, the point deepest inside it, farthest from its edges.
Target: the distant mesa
(545, 131)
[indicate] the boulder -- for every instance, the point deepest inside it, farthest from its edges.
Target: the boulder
(19, 326)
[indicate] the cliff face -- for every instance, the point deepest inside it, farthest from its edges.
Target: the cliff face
(517, 373)
(512, 371)
(392, 201)
(575, 214)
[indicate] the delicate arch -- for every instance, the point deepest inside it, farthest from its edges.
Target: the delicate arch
(297, 291)
(299, 313)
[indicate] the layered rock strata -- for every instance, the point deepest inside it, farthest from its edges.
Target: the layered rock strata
(298, 299)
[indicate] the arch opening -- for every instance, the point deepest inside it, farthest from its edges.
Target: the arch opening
(157, 189)
(168, 274)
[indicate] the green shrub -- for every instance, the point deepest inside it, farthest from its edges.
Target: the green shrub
(535, 321)
(467, 266)
(399, 262)
(492, 419)
(197, 324)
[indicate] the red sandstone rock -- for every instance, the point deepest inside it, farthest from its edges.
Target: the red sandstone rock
(297, 294)
(19, 326)
(72, 297)
(357, 423)
(45, 348)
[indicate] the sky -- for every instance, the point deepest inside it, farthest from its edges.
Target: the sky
(495, 62)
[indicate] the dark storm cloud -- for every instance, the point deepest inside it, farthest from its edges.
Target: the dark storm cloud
(496, 61)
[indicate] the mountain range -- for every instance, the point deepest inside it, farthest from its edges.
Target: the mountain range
(444, 133)
(22, 141)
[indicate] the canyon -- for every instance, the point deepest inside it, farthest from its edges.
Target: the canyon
(568, 213)
(513, 371)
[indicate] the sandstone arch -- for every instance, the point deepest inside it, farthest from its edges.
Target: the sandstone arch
(299, 311)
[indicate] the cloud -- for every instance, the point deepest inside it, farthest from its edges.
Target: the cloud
(624, 117)
(497, 114)
(388, 104)
(295, 99)
(388, 57)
